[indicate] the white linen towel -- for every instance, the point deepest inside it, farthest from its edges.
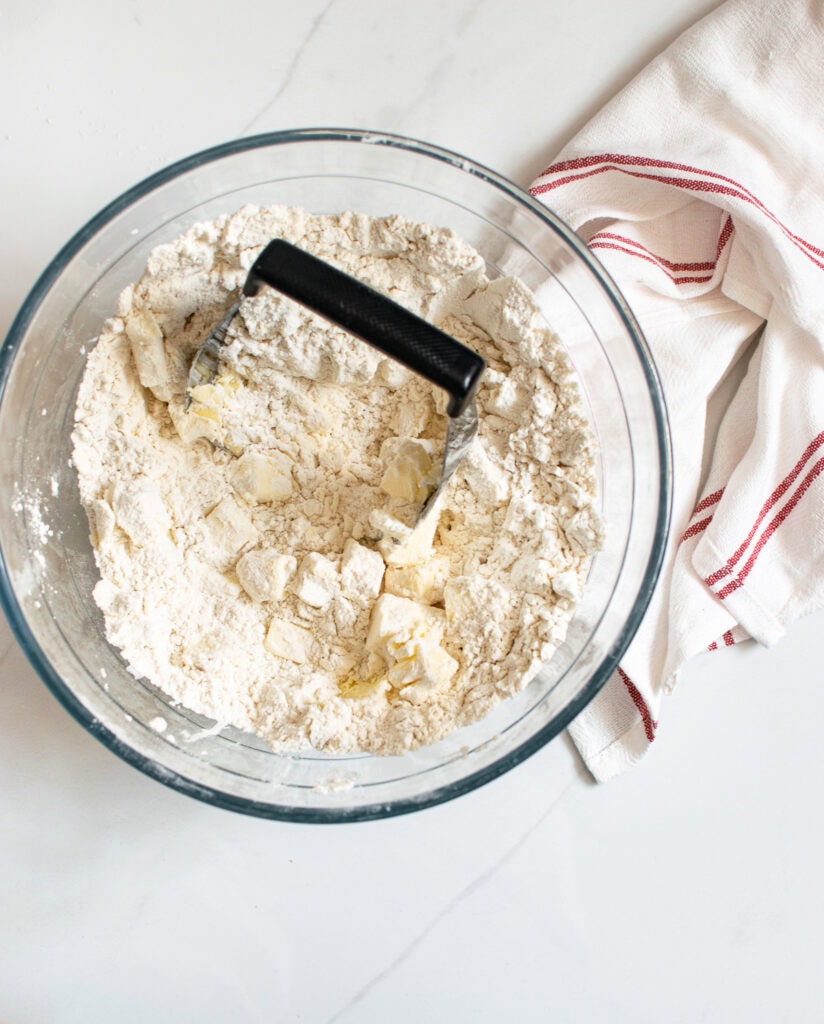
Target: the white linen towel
(701, 188)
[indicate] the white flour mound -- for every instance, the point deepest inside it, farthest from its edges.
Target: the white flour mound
(253, 550)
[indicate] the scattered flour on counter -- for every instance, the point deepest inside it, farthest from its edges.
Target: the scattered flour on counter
(254, 550)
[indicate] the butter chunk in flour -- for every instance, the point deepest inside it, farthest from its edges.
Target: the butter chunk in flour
(255, 550)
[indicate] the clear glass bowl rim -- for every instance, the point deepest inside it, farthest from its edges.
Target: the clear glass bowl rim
(215, 797)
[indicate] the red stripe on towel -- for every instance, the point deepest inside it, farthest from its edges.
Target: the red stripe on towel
(711, 499)
(776, 521)
(661, 261)
(768, 505)
(719, 184)
(696, 528)
(703, 505)
(728, 638)
(649, 725)
(653, 260)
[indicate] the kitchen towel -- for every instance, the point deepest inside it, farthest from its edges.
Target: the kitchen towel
(701, 189)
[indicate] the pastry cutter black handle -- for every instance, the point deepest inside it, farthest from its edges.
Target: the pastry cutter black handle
(370, 316)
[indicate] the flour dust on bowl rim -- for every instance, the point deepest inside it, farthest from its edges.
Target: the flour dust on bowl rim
(48, 570)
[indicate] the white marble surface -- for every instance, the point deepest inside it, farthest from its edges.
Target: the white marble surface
(687, 890)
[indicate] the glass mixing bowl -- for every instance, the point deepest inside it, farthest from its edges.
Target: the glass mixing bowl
(48, 570)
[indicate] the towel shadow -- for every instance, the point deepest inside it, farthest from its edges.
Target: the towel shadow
(530, 169)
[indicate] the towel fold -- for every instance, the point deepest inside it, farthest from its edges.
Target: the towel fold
(701, 189)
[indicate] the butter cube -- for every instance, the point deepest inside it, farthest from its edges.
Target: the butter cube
(195, 422)
(230, 527)
(408, 635)
(262, 476)
(397, 621)
(409, 474)
(205, 415)
(146, 338)
(429, 668)
(264, 573)
(219, 393)
(316, 580)
(399, 543)
(286, 640)
(423, 582)
(361, 572)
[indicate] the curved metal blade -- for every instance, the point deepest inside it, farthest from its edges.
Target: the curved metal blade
(207, 359)
(460, 433)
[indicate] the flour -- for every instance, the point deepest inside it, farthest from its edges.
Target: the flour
(255, 552)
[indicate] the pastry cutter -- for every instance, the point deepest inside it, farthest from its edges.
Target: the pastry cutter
(374, 318)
